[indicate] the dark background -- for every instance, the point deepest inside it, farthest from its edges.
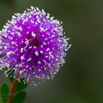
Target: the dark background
(80, 80)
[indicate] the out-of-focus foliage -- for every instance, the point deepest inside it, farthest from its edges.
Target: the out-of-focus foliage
(20, 86)
(19, 97)
(4, 91)
(80, 80)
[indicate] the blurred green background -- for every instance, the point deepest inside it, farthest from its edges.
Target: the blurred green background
(80, 80)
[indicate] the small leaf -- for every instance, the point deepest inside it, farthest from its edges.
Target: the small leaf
(20, 86)
(11, 79)
(1, 101)
(19, 97)
(4, 92)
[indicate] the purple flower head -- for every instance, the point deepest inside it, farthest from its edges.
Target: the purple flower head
(33, 45)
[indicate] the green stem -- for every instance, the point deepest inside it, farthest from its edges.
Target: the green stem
(12, 89)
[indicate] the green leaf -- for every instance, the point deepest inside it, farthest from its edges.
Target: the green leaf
(20, 86)
(4, 92)
(1, 101)
(11, 79)
(19, 97)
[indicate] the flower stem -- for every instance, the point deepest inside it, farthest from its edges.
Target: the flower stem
(12, 89)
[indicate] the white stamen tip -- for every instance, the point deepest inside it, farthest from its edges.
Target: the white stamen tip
(33, 34)
(36, 53)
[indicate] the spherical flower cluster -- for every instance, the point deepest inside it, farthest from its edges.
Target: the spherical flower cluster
(33, 45)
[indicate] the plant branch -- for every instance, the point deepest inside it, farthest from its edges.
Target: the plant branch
(12, 89)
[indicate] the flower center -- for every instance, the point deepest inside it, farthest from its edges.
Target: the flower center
(35, 41)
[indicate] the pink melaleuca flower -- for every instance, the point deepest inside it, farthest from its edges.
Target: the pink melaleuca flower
(33, 45)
